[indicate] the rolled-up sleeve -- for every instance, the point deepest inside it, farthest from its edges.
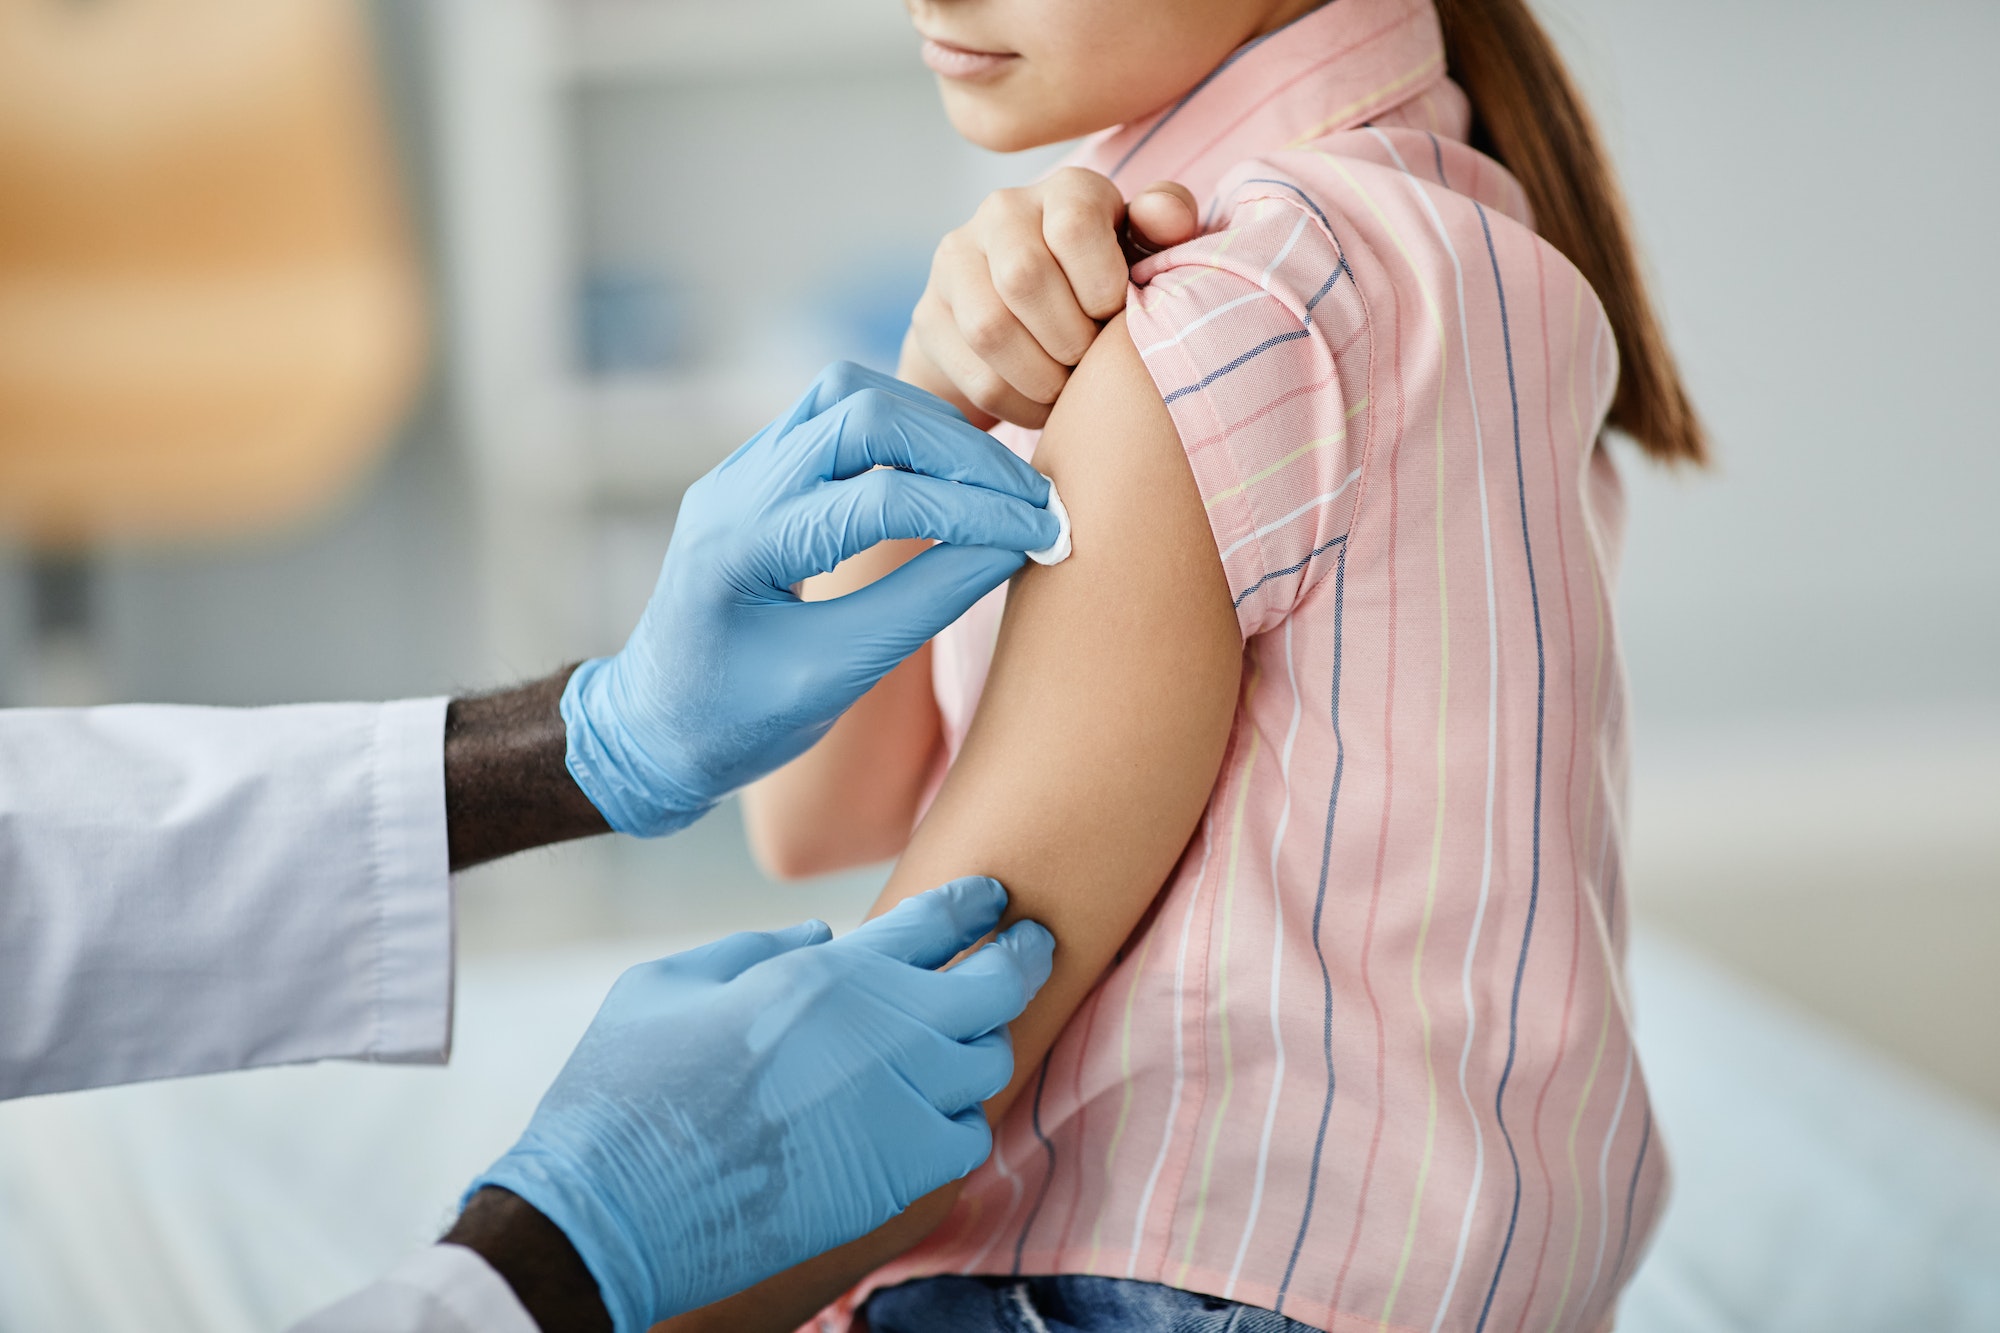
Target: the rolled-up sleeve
(1258, 343)
(186, 890)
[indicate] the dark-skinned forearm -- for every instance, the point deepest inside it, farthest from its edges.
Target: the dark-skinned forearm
(506, 788)
(535, 1258)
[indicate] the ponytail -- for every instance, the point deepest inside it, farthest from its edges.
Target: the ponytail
(1527, 114)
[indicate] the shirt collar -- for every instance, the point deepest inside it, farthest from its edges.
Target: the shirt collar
(1330, 70)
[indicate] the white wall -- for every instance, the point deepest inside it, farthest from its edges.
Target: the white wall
(1817, 186)
(1814, 629)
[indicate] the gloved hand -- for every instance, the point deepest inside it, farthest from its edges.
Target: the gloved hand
(741, 1107)
(729, 674)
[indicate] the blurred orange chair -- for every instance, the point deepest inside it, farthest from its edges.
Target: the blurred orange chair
(210, 314)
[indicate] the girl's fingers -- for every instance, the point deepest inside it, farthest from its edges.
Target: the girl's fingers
(1015, 296)
(966, 282)
(1037, 284)
(1081, 211)
(914, 364)
(943, 344)
(1164, 215)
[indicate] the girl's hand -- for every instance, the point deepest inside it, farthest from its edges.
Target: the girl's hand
(1017, 295)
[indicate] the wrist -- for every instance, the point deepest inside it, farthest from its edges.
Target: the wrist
(506, 785)
(622, 777)
(535, 1259)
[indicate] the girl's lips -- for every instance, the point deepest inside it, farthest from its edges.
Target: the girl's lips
(955, 62)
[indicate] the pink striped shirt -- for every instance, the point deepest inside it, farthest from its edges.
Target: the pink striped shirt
(1369, 1062)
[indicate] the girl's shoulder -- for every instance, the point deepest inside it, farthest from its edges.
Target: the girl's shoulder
(1410, 199)
(1372, 236)
(1372, 266)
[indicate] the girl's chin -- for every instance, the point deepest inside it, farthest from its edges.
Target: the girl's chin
(1002, 125)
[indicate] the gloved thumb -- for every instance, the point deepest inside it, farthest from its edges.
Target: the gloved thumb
(927, 931)
(891, 618)
(1161, 216)
(732, 955)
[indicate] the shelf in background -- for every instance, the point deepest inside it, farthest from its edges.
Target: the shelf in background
(614, 41)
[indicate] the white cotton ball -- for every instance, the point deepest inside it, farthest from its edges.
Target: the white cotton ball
(1057, 551)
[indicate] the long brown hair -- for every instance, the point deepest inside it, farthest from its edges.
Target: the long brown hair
(1528, 115)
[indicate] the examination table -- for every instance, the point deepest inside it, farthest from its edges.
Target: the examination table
(1817, 1187)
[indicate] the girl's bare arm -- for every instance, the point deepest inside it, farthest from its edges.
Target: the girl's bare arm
(1094, 748)
(852, 799)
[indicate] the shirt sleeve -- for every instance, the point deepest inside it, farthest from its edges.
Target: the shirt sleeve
(445, 1289)
(1257, 340)
(187, 890)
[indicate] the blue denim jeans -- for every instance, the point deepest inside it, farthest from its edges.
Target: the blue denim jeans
(1070, 1303)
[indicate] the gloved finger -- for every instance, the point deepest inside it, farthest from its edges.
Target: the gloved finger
(837, 381)
(883, 623)
(953, 1075)
(841, 380)
(889, 505)
(939, 1149)
(1080, 218)
(732, 955)
(969, 1144)
(934, 927)
(873, 428)
(811, 534)
(985, 992)
(947, 1147)
(942, 1149)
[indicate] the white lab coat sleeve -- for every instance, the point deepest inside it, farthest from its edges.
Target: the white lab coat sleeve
(185, 890)
(445, 1289)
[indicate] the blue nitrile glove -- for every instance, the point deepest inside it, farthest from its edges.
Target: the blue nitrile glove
(741, 1107)
(729, 674)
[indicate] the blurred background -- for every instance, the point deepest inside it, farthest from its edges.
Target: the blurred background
(355, 350)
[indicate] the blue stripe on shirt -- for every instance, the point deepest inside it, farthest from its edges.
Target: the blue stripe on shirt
(1631, 1193)
(1254, 352)
(1049, 1149)
(1319, 949)
(1535, 870)
(1317, 551)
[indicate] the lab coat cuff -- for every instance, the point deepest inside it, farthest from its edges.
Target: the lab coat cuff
(465, 1284)
(443, 1289)
(412, 886)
